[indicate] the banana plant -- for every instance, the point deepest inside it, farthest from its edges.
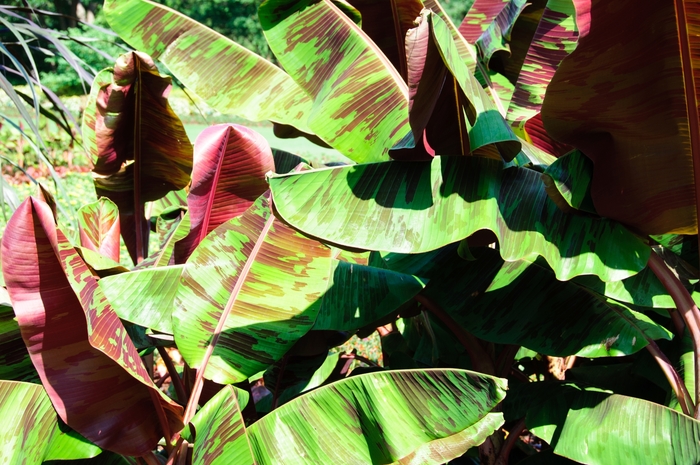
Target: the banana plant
(493, 234)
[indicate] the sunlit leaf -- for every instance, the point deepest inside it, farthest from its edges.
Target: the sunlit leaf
(31, 431)
(417, 207)
(421, 416)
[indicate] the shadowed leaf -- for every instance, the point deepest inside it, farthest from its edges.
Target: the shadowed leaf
(627, 98)
(521, 303)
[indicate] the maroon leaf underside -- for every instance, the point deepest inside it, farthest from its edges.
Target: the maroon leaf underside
(620, 99)
(89, 367)
(387, 23)
(229, 175)
(135, 122)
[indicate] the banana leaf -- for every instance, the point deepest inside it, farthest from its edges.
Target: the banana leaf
(521, 303)
(250, 290)
(15, 364)
(599, 428)
(98, 224)
(87, 363)
(128, 118)
(359, 98)
(417, 207)
(31, 432)
(229, 175)
(433, 417)
(626, 97)
(224, 74)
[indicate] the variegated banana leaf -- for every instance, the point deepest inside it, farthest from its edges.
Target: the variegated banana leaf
(627, 98)
(128, 118)
(496, 37)
(600, 428)
(318, 378)
(226, 75)
(86, 361)
(520, 303)
(480, 15)
(98, 223)
(31, 432)
(285, 161)
(229, 175)
(15, 364)
(561, 25)
(145, 296)
(249, 291)
(416, 207)
(420, 416)
(359, 295)
(169, 231)
(359, 98)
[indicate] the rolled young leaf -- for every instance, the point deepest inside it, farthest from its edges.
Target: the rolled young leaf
(87, 363)
(98, 223)
(416, 416)
(229, 175)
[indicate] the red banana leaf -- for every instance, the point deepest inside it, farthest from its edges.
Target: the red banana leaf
(627, 98)
(87, 363)
(229, 175)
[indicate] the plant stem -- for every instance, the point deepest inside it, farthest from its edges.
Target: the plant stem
(176, 380)
(686, 307)
(679, 388)
(513, 436)
(175, 452)
(150, 458)
(505, 359)
(283, 366)
(481, 361)
(162, 418)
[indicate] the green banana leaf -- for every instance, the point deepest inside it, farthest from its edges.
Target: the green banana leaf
(31, 432)
(250, 290)
(569, 179)
(359, 295)
(419, 416)
(15, 364)
(417, 207)
(144, 297)
(98, 224)
(521, 303)
(359, 98)
(599, 428)
(226, 75)
(91, 369)
(169, 232)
